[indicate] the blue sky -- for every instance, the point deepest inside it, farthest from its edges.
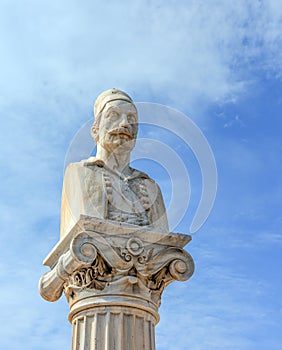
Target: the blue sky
(220, 63)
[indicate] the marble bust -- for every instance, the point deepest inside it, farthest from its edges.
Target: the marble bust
(105, 186)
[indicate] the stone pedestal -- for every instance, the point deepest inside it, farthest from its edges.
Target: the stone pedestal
(113, 276)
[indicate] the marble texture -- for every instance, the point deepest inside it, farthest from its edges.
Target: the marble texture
(116, 255)
(91, 188)
(113, 276)
(105, 186)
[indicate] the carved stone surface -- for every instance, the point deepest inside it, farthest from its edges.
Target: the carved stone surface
(115, 328)
(114, 273)
(106, 186)
(116, 255)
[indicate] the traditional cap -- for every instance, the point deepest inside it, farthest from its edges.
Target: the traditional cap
(107, 96)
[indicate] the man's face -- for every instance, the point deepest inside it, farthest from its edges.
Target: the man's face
(118, 126)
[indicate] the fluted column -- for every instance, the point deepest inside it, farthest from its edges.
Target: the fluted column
(113, 328)
(113, 277)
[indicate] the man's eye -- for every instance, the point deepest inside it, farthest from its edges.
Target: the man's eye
(113, 115)
(131, 118)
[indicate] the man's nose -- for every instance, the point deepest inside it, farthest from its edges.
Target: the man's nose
(124, 121)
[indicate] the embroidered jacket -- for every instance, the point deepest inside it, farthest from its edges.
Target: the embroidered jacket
(91, 188)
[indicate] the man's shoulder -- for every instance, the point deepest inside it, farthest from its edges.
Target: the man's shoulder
(140, 174)
(91, 161)
(83, 168)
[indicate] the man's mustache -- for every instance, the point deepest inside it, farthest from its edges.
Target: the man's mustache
(121, 131)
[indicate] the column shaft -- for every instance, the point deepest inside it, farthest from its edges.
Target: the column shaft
(113, 328)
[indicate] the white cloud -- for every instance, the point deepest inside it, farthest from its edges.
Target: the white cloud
(182, 54)
(55, 59)
(205, 313)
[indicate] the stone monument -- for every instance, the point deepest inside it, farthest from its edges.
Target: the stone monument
(116, 254)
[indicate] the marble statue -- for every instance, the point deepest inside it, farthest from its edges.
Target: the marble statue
(115, 256)
(106, 186)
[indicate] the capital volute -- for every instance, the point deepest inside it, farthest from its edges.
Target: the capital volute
(99, 257)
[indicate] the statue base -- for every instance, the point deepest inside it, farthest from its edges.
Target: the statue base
(113, 275)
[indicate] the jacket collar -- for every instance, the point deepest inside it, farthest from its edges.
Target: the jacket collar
(93, 161)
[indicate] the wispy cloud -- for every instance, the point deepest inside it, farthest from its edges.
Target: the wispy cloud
(207, 314)
(181, 53)
(55, 59)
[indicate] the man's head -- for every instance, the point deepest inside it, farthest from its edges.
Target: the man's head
(116, 121)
